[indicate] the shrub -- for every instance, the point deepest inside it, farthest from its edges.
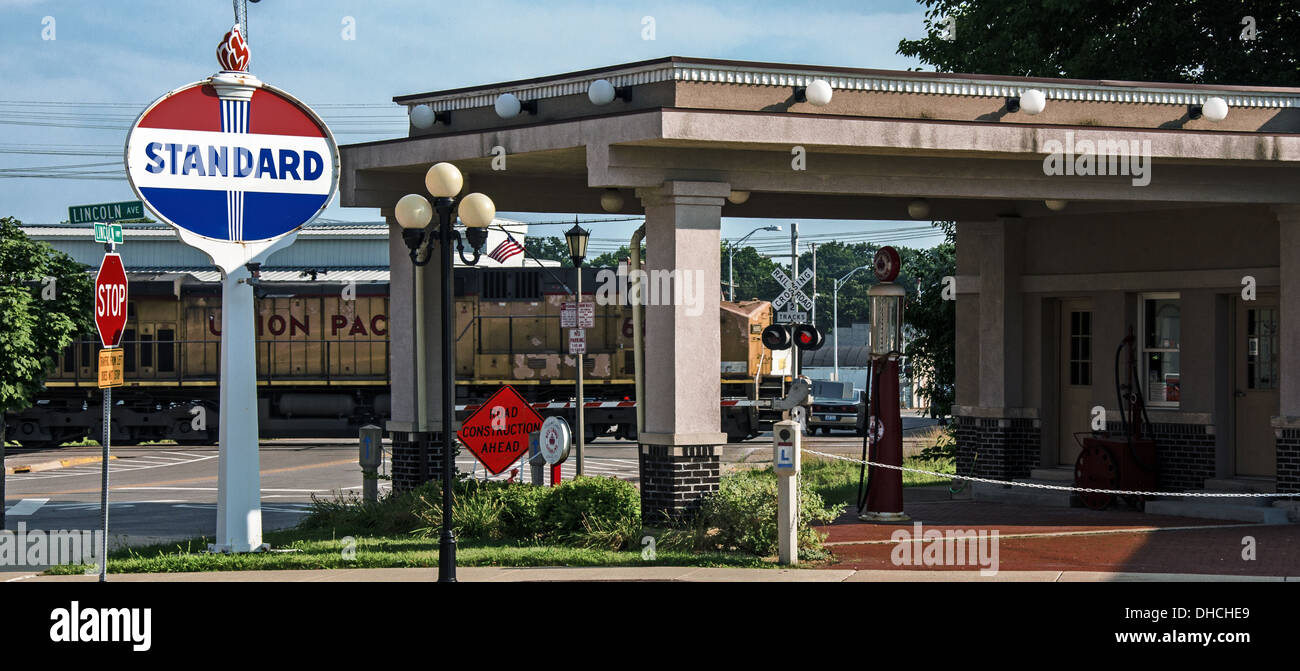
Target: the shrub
(615, 503)
(741, 515)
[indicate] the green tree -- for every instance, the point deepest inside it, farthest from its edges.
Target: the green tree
(45, 300)
(753, 275)
(931, 323)
(1196, 41)
(550, 248)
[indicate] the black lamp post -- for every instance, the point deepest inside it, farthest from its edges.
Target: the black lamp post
(577, 239)
(444, 181)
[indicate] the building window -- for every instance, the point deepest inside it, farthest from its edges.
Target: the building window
(1160, 340)
(1261, 348)
(1081, 349)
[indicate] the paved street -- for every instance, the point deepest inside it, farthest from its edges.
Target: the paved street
(168, 491)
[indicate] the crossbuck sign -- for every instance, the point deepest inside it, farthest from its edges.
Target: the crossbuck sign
(793, 294)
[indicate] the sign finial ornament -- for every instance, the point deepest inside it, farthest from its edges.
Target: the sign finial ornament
(233, 53)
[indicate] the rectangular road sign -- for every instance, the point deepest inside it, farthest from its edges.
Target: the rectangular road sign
(108, 233)
(110, 367)
(792, 317)
(577, 341)
(84, 214)
(578, 315)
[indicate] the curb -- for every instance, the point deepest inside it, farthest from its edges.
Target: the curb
(54, 465)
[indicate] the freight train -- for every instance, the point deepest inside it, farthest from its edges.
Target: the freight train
(323, 359)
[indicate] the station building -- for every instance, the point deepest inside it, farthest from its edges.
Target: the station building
(1160, 229)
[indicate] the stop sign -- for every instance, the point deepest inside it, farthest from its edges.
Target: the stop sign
(110, 300)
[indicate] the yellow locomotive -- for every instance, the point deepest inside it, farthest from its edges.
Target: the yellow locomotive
(323, 358)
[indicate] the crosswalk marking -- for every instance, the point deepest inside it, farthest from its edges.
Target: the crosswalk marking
(27, 507)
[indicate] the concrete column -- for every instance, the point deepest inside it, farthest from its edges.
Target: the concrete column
(680, 446)
(416, 453)
(1288, 223)
(1287, 423)
(1001, 322)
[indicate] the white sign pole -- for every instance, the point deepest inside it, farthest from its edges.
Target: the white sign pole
(239, 502)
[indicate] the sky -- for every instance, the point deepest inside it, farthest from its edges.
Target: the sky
(75, 73)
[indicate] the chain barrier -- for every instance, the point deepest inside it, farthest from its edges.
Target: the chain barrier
(1063, 488)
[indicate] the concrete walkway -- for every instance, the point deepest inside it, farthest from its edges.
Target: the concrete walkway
(644, 574)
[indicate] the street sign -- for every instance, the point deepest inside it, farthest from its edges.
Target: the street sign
(108, 233)
(104, 212)
(110, 300)
(554, 440)
(577, 341)
(497, 433)
(110, 368)
(578, 315)
(792, 317)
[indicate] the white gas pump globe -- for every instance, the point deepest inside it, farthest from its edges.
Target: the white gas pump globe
(886, 318)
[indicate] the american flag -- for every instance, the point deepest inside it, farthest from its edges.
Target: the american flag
(505, 250)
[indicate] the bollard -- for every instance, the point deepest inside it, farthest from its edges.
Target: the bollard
(785, 457)
(371, 457)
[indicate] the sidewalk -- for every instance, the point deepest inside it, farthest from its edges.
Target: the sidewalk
(646, 574)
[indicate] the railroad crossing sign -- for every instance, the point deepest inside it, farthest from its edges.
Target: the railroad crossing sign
(793, 292)
(497, 433)
(555, 440)
(110, 300)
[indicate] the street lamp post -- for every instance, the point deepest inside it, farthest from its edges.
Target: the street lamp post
(577, 237)
(414, 213)
(835, 319)
(731, 258)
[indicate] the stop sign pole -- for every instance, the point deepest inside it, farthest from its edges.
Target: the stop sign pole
(110, 321)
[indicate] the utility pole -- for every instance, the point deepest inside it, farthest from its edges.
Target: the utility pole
(814, 283)
(794, 275)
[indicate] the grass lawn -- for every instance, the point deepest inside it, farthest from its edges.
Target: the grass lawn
(343, 534)
(837, 481)
(298, 550)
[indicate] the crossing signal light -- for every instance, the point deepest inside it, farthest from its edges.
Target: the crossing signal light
(777, 336)
(808, 337)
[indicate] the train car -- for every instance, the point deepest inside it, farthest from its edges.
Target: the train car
(323, 358)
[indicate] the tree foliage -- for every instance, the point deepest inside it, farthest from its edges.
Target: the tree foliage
(1195, 41)
(37, 325)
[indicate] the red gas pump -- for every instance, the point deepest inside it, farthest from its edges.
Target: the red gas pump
(880, 490)
(1127, 463)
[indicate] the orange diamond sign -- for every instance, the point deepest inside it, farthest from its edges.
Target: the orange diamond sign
(497, 433)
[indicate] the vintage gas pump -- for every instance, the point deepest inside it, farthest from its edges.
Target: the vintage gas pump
(882, 500)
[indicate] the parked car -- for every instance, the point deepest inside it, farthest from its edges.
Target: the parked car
(836, 406)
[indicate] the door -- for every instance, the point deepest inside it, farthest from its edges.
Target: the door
(1075, 370)
(1256, 400)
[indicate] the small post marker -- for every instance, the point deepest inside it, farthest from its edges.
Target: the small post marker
(371, 457)
(785, 457)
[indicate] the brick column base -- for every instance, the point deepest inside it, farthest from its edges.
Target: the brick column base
(417, 459)
(675, 479)
(1288, 460)
(1002, 448)
(1185, 453)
